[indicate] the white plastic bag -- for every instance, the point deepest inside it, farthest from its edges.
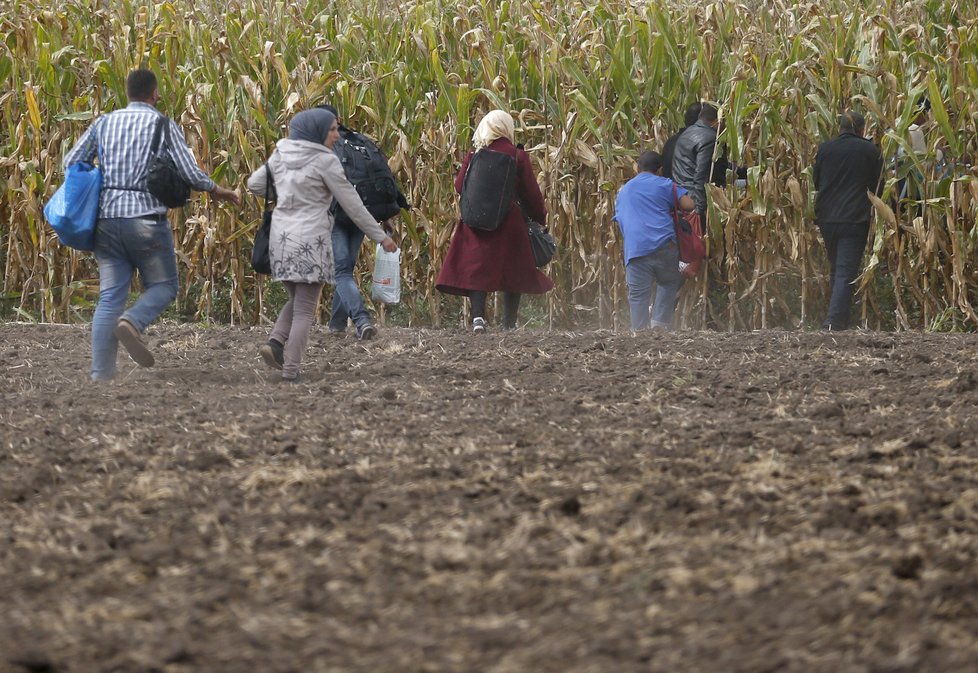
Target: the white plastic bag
(387, 277)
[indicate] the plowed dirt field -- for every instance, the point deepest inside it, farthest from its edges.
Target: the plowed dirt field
(525, 502)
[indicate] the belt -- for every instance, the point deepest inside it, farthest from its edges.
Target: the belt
(156, 217)
(152, 217)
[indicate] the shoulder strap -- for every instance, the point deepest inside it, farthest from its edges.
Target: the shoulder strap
(97, 130)
(269, 184)
(675, 203)
(157, 133)
(468, 169)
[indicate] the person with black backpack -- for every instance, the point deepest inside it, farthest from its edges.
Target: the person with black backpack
(490, 250)
(367, 170)
(308, 179)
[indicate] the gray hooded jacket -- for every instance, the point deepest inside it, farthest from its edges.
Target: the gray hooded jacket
(307, 176)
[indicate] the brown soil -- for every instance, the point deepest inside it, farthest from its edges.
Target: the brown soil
(526, 502)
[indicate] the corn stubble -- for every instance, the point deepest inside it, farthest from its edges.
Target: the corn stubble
(591, 83)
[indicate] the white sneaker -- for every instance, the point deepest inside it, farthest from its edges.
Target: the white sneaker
(478, 325)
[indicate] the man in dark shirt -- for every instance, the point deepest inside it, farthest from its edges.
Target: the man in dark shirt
(846, 167)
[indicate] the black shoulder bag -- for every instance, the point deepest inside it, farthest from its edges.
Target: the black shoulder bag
(163, 180)
(261, 260)
(542, 243)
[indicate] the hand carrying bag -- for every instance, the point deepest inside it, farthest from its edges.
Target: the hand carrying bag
(386, 286)
(163, 180)
(689, 237)
(261, 260)
(73, 210)
(488, 189)
(542, 243)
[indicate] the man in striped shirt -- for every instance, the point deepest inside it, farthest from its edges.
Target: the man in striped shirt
(133, 232)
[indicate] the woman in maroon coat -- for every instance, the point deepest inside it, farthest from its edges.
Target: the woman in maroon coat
(479, 262)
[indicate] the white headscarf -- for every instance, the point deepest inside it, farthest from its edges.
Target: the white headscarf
(497, 124)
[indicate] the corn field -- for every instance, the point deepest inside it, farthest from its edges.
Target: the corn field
(590, 82)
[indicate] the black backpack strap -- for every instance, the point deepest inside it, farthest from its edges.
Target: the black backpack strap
(269, 185)
(158, 134)
(468, 169)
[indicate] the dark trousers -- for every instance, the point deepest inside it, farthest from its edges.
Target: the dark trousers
(845, 243)
(511, 306)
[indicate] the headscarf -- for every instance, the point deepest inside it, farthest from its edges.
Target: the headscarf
(497, 124)
(311, 125)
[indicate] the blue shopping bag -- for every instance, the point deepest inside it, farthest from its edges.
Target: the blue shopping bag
(73, 209)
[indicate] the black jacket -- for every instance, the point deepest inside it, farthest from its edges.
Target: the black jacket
(668, 152)
(845, 168)
(693, 160)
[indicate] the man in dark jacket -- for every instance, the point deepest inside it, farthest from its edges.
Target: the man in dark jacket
(692, 163)
(846, 168)
(669, 149)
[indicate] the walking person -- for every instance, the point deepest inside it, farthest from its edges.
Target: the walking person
(307, 176)
(132, 232)
(361, 160)
(644, 212)
(479, 262)
(846, 167)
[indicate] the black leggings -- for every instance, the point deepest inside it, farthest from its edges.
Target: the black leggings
(511, 306)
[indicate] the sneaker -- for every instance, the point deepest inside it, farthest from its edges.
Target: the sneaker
(132, 341)
(366, 333)
(273, 354)
(337, 332)
(478, 325)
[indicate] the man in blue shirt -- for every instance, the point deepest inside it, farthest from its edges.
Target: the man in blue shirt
(133, 232)
(644, 211)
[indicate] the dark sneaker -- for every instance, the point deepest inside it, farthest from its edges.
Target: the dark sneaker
(132, 341)
(337, 332)
(366, 333)
(478, 325)
(273, 354)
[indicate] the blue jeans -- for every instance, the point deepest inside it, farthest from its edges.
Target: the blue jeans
(347, 302)
(661, 268)
(845, 243)
(124, 245)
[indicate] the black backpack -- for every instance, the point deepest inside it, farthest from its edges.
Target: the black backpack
(488, 189)
(367, 170)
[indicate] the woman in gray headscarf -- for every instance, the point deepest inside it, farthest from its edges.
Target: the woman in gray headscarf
(306, 176)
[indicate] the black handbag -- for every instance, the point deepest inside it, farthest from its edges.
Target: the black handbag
(163, 180)
(261, 260)
(542, 243)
